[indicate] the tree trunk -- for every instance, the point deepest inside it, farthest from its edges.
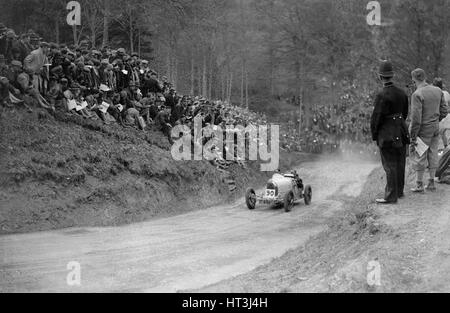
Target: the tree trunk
(74, 30)
(222, 87)
(139, 43)
(169, 65)
(204, 78)
(299, 94)
(210, 81)
(93, 35)
(230, 88)
(175, 72)
(57, 33)
(242, 81)
(246, 88)
(192, 73)
(131, 31)
(106, 7)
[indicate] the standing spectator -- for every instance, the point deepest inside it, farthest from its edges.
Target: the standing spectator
(151, 84)
(389, 131)
(34, 64)
(427, 110)
(444, 125)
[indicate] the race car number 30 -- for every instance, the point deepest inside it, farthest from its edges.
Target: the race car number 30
(270, 193)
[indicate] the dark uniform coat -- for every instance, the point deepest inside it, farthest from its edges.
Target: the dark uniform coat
(389, 130)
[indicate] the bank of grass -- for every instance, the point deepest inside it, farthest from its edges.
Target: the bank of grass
(65, 171)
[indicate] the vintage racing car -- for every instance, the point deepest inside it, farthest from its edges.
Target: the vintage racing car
(280, 190)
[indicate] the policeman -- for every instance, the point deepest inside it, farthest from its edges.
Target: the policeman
(389, 130)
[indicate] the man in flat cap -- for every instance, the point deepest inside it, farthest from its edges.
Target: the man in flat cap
(428, 108)
(389, 130)
(34, 64)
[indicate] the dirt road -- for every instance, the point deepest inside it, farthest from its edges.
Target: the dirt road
(183, 252)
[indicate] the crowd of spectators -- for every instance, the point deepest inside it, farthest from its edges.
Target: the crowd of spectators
(113, 86)
(332, 128)
(107, 85)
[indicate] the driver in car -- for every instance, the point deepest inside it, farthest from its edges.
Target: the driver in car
(297, 180)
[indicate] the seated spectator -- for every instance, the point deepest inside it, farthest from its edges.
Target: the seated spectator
(21, 81)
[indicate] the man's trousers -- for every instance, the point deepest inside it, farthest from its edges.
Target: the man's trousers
(430, 159)
(394, 162)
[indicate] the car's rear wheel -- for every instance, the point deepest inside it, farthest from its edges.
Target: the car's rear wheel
(307, 195)
(250, 199)
(288, 201)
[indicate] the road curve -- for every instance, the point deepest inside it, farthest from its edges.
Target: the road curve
(183, 252)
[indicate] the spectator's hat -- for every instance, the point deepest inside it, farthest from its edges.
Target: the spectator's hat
(44, 44)
(75, 86)
(34, 36)
(4, 80)
(105, 62)
(54, 45)
(57, 69)
(104, 88)
(16, 63)
(2, 57)
(96, 52)
(121, 51)
(386, 69)
(144, 62)
(134, 54)
(64, 80)
(11, 34)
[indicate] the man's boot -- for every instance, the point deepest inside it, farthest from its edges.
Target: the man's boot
(418, 188)
(430, 186)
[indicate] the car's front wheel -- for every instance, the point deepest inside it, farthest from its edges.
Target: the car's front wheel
(250, 199)
(307, 195)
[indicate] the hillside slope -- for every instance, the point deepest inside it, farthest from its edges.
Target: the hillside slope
(62, 171)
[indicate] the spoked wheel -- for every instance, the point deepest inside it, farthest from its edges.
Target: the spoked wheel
(250, 199)
(288, 201)
(307, 195)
